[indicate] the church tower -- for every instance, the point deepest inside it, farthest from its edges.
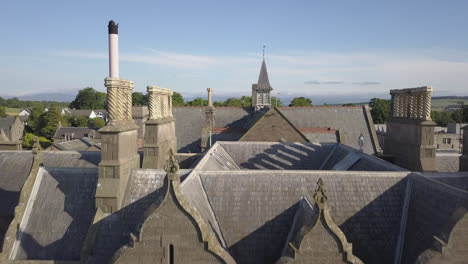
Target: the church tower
(261, 91)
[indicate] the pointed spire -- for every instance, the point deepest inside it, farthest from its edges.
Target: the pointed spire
(263, 81)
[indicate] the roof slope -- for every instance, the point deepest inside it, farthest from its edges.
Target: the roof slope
(255, 209)
(78, 132)
(273, 126)
(352, 121)
(276, 156)
(434, 210)
(14, 170)
(58, 213)
(6, 122)
(190, 121)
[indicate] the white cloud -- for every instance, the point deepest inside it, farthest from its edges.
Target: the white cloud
(288, 70)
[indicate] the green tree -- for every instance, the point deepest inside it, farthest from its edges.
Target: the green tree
(234, 102)
(349, 104)
(28, 141)
(301, 101)
(2, 102)
(275, 101)
(461, 116)
(34, 116)
(197, 102)
(177, 99)
(442, 118)
(380, 110)
(14, 103)
(78, 121)
(218, 104)
(139, 99)
(89, 98)
(2, 112)
(98, 122)
(246, 101)
(49, 121)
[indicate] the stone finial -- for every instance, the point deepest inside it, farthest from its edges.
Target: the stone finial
(172, 166)
(210, 96)
(36, 148)
(361, 142)
(320, 196)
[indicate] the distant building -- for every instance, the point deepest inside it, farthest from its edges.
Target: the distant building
(11, 133)
(64, 134)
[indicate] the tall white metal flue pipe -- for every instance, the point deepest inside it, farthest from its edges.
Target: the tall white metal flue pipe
(113, 49)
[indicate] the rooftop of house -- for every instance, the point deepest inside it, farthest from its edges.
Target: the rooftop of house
(77, 132)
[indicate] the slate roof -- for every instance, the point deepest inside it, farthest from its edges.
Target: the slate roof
(80, 112)
(140, 111)
(263, 81)
(6, 123)
(447, 162)
(288, 156)
(81, 144)
(78, 132)
(352, 121)
(191, 119)
(16, 165)
(255, 209)
(14, 170)
(433, 211)
(58, 213)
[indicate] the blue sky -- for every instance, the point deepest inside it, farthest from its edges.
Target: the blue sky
(314, 48)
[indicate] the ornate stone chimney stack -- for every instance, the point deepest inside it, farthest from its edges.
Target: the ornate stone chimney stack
(209, 122)
(412, 103)
(210, 96)
(464, 156)
(159, 129)
(119, 137)
(410, 130)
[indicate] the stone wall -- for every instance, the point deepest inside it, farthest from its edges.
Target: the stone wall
(464, 157)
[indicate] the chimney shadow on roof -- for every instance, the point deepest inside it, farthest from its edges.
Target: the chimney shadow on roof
(113, 231)
(10, 199)
(78, 205)
(373, 230)
(286, 156)
(264, 245)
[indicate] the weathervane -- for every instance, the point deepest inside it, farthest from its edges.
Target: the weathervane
(264, 51)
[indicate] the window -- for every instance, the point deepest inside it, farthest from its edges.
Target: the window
(449, 141)
(171, 254)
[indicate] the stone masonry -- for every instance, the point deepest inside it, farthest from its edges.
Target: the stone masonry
(464, 157)
(209, 122)
(159, 129)
(410, 130)
(119, 146)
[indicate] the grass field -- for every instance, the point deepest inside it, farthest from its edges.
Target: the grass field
(12, 111)
(441, 104)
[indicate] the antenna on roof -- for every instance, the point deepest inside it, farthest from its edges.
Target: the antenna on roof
(264, 51)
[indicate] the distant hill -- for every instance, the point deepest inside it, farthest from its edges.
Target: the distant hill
(450, 97)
